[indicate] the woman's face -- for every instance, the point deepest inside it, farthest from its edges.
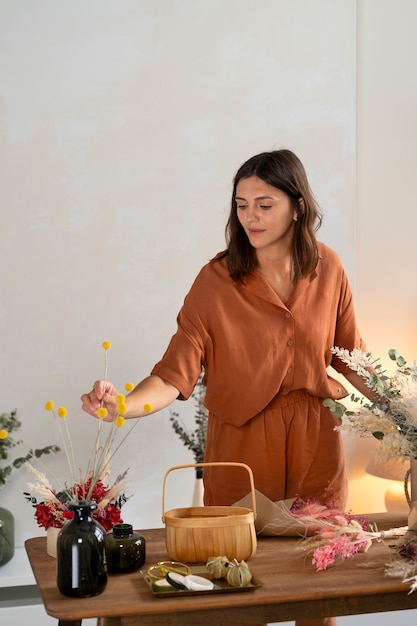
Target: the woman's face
(266, 213)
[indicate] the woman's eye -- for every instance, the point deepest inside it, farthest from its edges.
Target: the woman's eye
(265, 206)
(241, 206)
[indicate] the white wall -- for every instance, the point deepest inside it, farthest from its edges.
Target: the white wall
(122, 124)
(386, 222)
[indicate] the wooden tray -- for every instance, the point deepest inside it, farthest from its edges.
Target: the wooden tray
(221, 585)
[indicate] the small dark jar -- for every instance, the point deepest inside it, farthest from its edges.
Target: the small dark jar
(125, 549)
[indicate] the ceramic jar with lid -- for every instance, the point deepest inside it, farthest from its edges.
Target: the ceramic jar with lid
(125, 549)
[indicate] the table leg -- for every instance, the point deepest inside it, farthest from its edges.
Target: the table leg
(72, 622)
(108, 621)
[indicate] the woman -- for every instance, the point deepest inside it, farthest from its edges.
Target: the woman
(262, 318)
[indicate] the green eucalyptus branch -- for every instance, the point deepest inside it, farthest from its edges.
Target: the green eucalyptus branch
(194, 440)
(9, 423)
(391, 416)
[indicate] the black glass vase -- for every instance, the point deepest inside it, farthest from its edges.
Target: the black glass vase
(81, 560)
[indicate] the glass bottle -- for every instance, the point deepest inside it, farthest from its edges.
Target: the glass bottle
(81, 558)
(6, 535)
(125, 549)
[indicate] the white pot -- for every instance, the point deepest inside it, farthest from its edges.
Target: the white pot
(51, 539)
(198, 493)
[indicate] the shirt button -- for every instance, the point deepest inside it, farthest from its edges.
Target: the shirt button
(288, 314)
(289, 370)
(290, 342)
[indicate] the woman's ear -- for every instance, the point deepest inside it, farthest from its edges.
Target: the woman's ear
(299, 209)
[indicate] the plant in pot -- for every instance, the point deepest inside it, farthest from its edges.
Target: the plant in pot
(195, 440)
(9, 423)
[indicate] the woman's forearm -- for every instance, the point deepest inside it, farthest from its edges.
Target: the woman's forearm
(153, 391)
(149, 396)
(360, 384)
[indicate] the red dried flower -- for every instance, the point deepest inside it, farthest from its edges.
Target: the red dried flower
(55, 513)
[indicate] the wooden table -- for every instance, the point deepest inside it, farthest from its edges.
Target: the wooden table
(291, 588)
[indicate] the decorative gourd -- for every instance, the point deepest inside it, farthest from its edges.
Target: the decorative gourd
(217, 566)
(238, 574)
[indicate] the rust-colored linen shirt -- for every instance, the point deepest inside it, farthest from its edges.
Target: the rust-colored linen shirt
(253, 346)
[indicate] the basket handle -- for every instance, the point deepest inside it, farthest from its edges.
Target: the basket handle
(214, 463)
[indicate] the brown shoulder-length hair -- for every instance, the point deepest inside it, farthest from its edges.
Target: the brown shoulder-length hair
(281, 169)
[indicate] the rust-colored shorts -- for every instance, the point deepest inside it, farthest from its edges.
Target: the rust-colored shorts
(292, 448)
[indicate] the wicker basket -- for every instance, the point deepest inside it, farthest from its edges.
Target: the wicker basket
(194, 534)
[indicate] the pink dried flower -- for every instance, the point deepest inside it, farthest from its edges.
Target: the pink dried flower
(334, 534)
(341, 548)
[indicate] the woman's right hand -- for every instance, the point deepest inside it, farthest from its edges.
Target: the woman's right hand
(101, 394)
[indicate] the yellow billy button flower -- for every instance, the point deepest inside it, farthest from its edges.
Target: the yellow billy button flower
(102, 412)
(120, 420)
(3, 433)
(122, 408)
(49, 406)
(129, 386)
(106, 345)
(120, 398)
(61, 411)
(147, 407)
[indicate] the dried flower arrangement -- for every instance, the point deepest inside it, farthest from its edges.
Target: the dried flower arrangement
(335, 535)
(392, 418)
(405, 565)
(52, 508)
